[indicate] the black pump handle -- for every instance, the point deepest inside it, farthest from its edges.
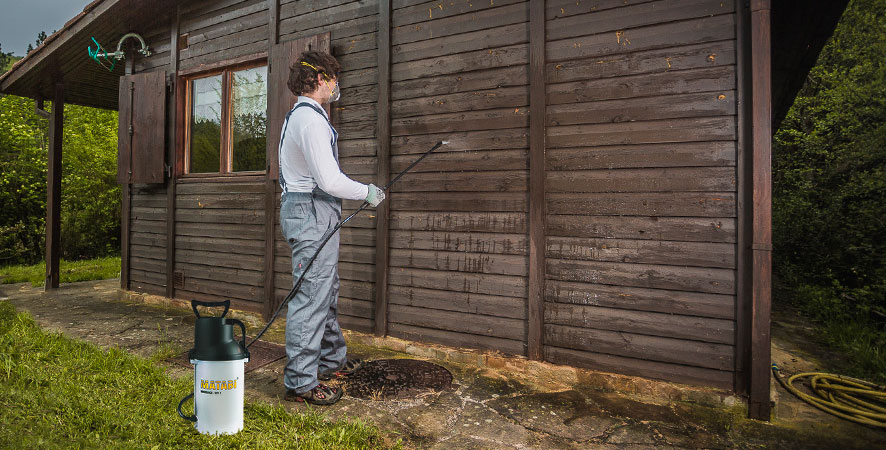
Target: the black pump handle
(242, 332)
(196, 303)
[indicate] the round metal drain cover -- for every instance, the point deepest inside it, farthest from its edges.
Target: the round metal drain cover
(397, 378)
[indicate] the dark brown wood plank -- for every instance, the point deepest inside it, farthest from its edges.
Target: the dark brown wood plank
(684, 57)
(654, 276)
(172, 126)
(696, 179)
(467, 161)
(383, 133)
(537, 184)
(648, 348)
(470, 140)
(410, 12)
(356, 323)
(609, 21)
(157, 266)
(219, 259)
(640, 367)
(54, 188)
(221, 244)
(198, 187)
(223, 230)
(759, 405)
(496, 98)
(716, 80)
(221, 274)
(703, 104)
(482, 17)
(659, 131)
(687, 154)
(633, 227)
(504, 285)
(699, 254)
(459, 261)
(234, 216)
(460, 43)
(672, 326)
(457, 340)
(466, 302)
(479, 181)
(475, 80)
(744, 170)
(459, 322)
(491, 222)
(460, 202)
(672, 34)
(355, 308)
(719, 306)
(444, 241)
(654, 204)
(476, 60)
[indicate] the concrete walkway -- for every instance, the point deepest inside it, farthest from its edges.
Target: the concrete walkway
(500, 403)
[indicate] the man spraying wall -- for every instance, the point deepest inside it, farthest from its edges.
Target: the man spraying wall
(313, 186)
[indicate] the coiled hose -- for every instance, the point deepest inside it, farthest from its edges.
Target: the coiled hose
(849, 398)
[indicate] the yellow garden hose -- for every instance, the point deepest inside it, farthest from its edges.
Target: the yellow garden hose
(849, 398)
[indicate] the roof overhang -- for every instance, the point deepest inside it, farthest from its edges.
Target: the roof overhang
(62, 58)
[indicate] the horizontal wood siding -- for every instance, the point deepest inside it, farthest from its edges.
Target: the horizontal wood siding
(640, 188)
(222, 30)
(353, 29)
(219, 242)
(147, 264)
(458, 226)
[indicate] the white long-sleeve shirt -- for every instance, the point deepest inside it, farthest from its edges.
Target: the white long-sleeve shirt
(307, 159)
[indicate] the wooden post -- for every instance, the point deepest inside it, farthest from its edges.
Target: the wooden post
(535, 339)
(171, 156)
(758, 404)
(744, 177)
(54, 186)
(270, 179)
(383, 157)
(126, 191)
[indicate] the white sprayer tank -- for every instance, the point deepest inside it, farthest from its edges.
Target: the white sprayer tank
(219, 361)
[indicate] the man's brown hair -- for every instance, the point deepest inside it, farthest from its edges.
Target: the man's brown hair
(303, 77)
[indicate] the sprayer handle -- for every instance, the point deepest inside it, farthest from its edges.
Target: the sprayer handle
(242, 330)
(196, 303)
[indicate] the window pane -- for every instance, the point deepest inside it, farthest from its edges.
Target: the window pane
(205, 124)
(249, 114)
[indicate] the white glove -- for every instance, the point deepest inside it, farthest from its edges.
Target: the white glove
(375, 196)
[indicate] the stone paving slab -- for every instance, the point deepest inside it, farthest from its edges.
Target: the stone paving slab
(491, 407)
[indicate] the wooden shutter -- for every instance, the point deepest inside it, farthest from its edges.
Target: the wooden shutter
(141, 142)
(280, 99)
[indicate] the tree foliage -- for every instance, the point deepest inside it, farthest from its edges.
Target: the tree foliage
(90, 203)
(829, 175)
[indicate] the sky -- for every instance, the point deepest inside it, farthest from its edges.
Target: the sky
(22, 20)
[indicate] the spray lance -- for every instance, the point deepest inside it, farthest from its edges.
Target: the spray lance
(329, 235)
(219, 359)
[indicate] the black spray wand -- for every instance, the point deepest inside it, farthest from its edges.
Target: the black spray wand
(329, 235)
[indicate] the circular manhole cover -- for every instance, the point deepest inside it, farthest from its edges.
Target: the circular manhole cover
(397, 378)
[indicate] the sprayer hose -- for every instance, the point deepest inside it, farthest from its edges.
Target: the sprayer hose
(849, 398)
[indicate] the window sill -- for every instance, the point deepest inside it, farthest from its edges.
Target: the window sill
(222, 178)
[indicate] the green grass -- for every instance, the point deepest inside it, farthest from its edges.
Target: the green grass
(56, 392)
(69, 272)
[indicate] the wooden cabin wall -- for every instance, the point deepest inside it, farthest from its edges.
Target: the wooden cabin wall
(353, 29)
(640, 188)
(147, 239)
(640, 155)
(458, 223)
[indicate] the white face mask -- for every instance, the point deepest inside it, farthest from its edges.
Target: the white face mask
(334, 93)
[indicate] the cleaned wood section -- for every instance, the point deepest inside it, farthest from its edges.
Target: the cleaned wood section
(147, 239)
(641, 188)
